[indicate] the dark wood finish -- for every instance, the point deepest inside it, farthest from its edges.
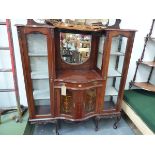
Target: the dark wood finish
(145, 85)
(85, 83)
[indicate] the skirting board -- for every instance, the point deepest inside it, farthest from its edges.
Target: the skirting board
(139, 123)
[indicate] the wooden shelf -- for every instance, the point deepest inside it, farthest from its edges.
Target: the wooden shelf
(113, 73)
(145, 86)
(41, 94)
(5, 70)
(117, 53)
(37, 55)
(148, 63)
(39, 75)
(111, 91)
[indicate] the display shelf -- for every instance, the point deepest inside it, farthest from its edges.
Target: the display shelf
(4, 48)
(2, 23)
(42, 109)
(39, 75)
(41, 94)
(7, 90)
(145, 86)
(117, 53)
(113, 73)
(5, 70)
(108, 105)
(148, 63)
(114, 53)
(37, 54)
(111, 91)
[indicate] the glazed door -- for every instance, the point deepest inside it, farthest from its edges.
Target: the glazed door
(36, 45)
(117, 53)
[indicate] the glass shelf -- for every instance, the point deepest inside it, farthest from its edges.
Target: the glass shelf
(117, 53)
(39, 75)
(41, 94)
(113, 73)
(37, 54)
(5, 70)
(111, 91)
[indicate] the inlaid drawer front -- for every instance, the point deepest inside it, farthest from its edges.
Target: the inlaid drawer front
(78, 86)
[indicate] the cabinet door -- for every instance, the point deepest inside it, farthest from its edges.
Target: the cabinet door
(90, 102)
(118, 55)
(36, 54)
(64, 104)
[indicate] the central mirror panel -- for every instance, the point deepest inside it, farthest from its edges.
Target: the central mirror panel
(75, 48)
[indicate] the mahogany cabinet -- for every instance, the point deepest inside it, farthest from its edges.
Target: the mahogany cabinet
(74, 74)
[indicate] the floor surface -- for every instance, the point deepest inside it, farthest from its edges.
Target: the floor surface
(9, 126)
(86, 128)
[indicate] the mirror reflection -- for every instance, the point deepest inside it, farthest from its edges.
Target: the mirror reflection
(75, 48)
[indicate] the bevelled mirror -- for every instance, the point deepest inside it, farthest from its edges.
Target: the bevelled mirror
(75, 48)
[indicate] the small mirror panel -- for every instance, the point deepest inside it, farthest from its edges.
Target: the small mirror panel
(75, 48)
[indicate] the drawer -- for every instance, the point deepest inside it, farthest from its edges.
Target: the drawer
(78, 86)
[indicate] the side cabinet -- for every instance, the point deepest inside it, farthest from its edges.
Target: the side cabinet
(36, 46)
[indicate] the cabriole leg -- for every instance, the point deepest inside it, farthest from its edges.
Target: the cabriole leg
(116, 122)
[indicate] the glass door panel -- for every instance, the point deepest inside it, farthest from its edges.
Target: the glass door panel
(38, 57)
(117, 53)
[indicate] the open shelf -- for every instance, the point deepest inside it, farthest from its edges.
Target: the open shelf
(148, 63)
(38, 54)
(145, 86)
(113, 73)
(39, 75)
(111, 91)
(117, 53)
(41, 94)
(76, 76)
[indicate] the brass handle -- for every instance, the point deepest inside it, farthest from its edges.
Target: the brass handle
(79, 85)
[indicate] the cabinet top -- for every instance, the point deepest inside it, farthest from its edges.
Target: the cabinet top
(80, 28)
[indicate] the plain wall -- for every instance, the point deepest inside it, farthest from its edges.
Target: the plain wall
(142, 27)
